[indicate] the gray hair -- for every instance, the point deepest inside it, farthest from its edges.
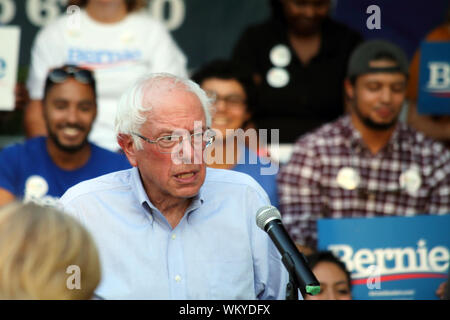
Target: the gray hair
(130, 112)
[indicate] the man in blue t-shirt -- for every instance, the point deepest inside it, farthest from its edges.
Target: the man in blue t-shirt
(43, 168)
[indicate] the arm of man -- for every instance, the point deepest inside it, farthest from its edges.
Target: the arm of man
(8, 174)
(438, 129)
(21, 95)
(48, 51)
(34, 123)
(6, 197)
(245, 52)
(300, 196)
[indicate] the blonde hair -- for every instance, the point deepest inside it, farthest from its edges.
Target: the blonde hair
(37, 245)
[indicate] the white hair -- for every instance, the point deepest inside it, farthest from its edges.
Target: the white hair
(131, 111)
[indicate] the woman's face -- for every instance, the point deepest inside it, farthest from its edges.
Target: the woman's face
(230, 108)
(333, 282)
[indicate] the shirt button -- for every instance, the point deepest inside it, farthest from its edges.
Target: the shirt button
(177, 278)
(174, 237)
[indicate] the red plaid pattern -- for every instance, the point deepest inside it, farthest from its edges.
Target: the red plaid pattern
(308, 188)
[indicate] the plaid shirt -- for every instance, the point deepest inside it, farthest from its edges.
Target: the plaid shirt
(309, 188)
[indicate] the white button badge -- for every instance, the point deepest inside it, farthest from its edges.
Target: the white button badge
(347, 178)
(280, 56)
(410, 180)
(277, 77)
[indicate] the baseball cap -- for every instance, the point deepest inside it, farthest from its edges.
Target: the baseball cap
(359, 62)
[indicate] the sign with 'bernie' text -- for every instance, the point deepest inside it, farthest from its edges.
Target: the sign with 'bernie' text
(434, 78)
(391, 257)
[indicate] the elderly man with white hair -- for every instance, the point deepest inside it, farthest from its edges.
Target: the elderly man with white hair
(170, 228)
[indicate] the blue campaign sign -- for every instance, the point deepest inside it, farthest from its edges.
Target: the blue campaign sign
(434, 78)
(391, 257)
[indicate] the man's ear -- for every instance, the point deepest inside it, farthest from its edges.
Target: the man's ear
(126, 142)
(349, 89)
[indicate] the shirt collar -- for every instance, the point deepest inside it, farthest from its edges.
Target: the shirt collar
(355, 142)
(148, 206)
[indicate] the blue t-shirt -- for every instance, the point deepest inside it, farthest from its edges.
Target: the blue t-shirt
(264, 173)
(28, 172)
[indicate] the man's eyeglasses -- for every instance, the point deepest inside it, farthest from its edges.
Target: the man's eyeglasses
(167, 144)
(60, 75)
(233, 100)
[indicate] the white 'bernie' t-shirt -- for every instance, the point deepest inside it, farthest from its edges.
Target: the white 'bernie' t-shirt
(118, 53)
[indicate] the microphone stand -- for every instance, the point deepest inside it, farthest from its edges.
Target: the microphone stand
(291, 289)
(294, 281)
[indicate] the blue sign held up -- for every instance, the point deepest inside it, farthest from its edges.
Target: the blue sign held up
(434, 78)
(391, 257)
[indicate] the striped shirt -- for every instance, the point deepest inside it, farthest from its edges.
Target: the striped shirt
(332, 174)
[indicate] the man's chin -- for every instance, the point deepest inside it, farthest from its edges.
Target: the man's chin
(307, 28)
(187, 192)
(380, 125)
(70, 147)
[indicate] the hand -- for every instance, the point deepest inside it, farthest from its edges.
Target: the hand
(441, 291)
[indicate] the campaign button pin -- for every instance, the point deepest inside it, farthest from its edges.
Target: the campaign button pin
(280, 56)
(410, 180)
(277, 77)
(35, 187)
(347, 178)
(126, 37)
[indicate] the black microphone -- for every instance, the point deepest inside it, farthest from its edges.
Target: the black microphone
(268, 218)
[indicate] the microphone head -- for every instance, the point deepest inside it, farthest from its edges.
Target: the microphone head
(265, 215)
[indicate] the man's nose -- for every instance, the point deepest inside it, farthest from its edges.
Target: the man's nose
(309, 11)
(190, 151)
(72, 115)
(386, 95)
(220, 105)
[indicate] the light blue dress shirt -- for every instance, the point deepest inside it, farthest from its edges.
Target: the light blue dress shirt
(215, 252)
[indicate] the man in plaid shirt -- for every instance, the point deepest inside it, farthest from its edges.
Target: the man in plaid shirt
(366, 163)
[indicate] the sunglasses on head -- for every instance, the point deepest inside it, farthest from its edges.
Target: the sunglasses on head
(61, 74)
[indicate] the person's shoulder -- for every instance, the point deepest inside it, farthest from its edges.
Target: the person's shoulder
(328, 134)
(423, 146)
(265, 25)
(28, 146)
(341, 29)
(105, 152)
(118, 180)
(263, 30)
(113, 158)
(54, 27)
